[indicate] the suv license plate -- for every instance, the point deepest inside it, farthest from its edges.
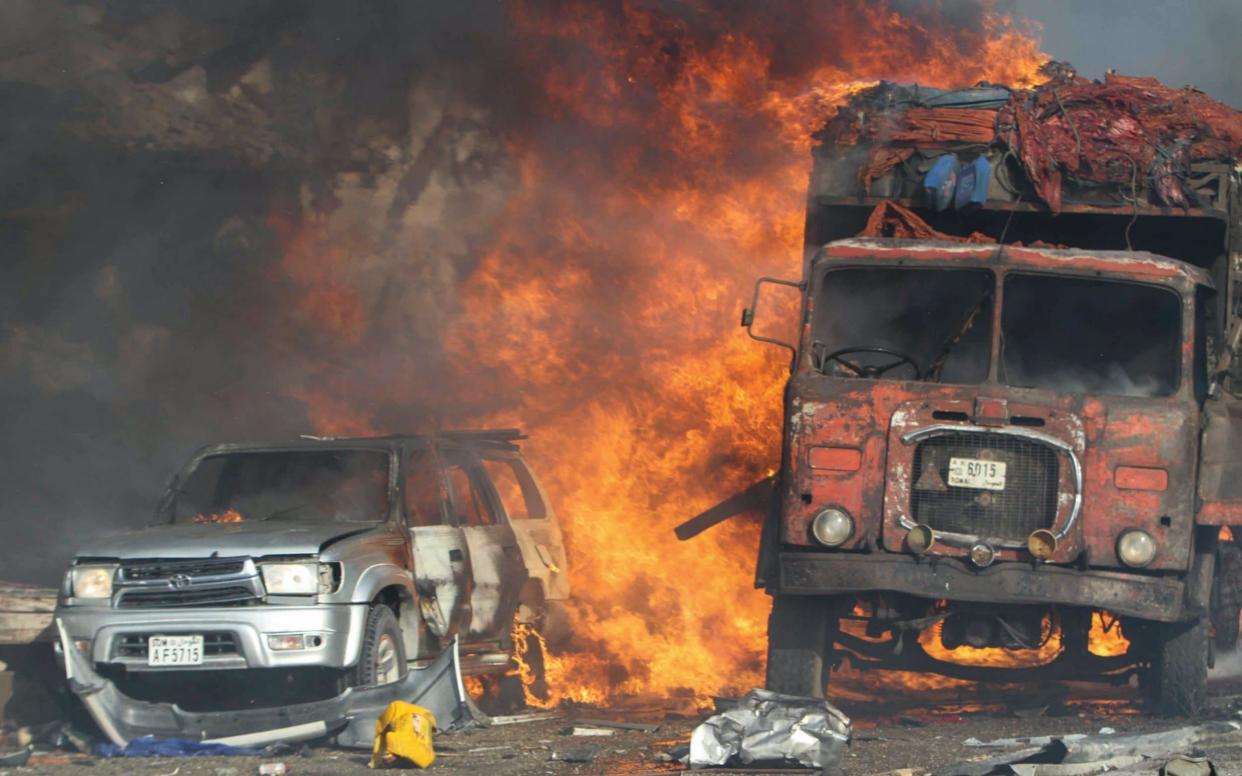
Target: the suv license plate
(175, 651)
(976, 473)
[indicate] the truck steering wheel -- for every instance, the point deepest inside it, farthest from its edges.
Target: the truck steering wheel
(872, 372)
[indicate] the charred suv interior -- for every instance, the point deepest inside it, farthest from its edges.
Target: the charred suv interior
(287, 573)
(1027, 449)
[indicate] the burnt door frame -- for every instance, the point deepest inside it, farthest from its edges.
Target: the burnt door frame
(441, 560)
(499, 572)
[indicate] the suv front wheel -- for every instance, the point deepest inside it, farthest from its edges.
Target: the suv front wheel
(383, 654)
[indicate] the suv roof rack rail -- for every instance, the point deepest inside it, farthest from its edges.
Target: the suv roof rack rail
(498, 434)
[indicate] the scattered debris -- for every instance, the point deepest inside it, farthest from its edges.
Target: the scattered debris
(771, 727)
(273, 769)
(1078, 755)
(592, 731)
(582, 754)
(1188, 766)
(644, 727)
(518, 719)
(150, 746)
(1008, 743)
(15, 759)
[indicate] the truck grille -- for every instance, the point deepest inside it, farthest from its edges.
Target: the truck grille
(134, 645)
(150, 584)
(1028, 501)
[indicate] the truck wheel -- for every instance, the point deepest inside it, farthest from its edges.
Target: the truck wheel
(1225, 624)
(1179, 667)
(800, 636)
(383, 655)
(1225, 611)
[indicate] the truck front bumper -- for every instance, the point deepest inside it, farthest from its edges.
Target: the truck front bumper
(832, 573)
(240, 634)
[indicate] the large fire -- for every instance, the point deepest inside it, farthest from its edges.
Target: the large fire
(661, 170)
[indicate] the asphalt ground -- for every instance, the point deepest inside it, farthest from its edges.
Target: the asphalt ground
(919, 730)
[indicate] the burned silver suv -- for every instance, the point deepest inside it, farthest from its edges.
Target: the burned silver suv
(289, 573)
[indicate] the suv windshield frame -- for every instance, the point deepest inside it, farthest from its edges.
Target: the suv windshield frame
(166, 511)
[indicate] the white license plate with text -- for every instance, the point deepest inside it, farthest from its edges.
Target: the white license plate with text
(976, 473)
(175, 651)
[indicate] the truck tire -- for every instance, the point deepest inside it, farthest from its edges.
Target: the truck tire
(1179, 667)
(382, 658)
(800, 638)
(1225, 596)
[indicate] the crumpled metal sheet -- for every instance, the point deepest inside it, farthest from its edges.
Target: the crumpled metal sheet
(768, 727)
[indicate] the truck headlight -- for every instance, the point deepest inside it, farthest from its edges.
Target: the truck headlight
(832, 526)
(291, 578)
(1136, 548)
(91, 581)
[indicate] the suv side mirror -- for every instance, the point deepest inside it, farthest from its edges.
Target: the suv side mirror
(748, 316)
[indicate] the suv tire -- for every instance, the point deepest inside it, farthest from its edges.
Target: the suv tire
(382, 658)
(800, 639)
(1179, 667)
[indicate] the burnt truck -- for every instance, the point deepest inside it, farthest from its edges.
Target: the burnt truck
(1013, 412)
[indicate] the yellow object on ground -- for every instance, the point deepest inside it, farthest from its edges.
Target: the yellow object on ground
(403, 732)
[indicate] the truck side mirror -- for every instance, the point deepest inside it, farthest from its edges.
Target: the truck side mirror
(748, 316)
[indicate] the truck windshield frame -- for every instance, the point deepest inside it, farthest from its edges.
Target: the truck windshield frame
(940, 317)
(1056, 331)
(1097, 335)
(336, 485)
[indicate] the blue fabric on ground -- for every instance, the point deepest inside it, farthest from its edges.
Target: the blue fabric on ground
(150, 746)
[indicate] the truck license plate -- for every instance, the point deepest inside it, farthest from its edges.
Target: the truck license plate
(175, 651)
(976, 473)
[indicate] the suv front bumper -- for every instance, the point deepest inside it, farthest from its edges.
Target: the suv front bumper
(832, 573)
(350, 716)
(338, 627)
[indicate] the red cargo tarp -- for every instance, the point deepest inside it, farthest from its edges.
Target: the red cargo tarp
(1133, 133)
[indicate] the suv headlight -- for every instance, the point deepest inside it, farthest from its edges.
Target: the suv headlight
(291, 578)
(91, 581)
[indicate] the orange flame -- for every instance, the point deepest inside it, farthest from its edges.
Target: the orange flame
(1106, 638)
(662, 169)
(228, 516)
(998, 657)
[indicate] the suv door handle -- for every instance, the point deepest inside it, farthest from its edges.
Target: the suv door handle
(455, 556)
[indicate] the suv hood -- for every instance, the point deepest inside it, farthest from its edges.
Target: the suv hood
(233, 539)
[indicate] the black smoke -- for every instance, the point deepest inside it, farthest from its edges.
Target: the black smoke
(154, 155)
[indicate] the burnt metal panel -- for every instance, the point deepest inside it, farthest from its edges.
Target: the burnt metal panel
(1220, 470)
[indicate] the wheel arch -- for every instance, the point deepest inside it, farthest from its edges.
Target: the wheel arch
(396, 591)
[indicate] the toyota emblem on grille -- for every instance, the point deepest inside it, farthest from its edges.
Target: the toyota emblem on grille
(179, 581)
